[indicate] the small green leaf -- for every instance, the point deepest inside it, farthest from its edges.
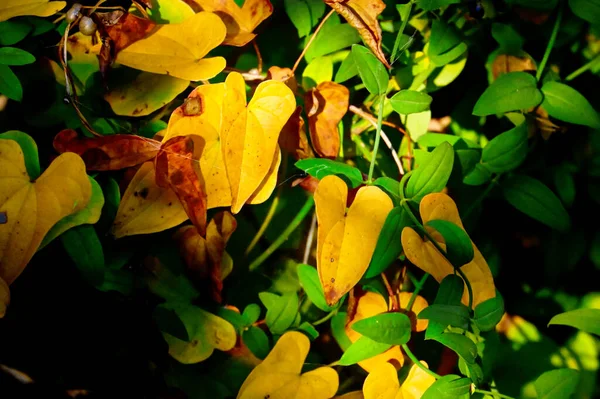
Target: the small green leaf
(363, 348)
(371, 71)
(309, 330)
(338, 330)
(471, 370)
(84, 248)
(318, 70)
(508, 38)
(588, 10)
(447, 315)
(319, 168)
(445, 45)
(10, 85)
(536, 200)
(168, 321)
(390, 186)
(449, 56)
(478, 176)
(347, 69)
(557, 384)
(565, 184)
(29, 148)
(309, 280)
(432, 176)
(410, 102)
(251, 313)
(434, 139)
(15, 56)
(459, 247)
(12, 32)
(332, 37)
(304, 14)
(512, 91)
(463, 346)
(567, 104)
(468, 160)
(430, 5)
(450, 386)
(387, 328)
(489, 313)
(587, 320)
(257, 341)
(450, 293)
(506, 151)
(281, 310)
(234, 318)
(416, 124)
(388, 246)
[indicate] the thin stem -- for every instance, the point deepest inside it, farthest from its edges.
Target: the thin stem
(550, 45)
(494, 394)
(377, 138)
(326, 317)
(416, 361)
(259, 67)
(309, 239)
(391, 293)
(310, 41)
(285, 234)
(265, 223)
(589, 65)
(405, 19)
(416, 291)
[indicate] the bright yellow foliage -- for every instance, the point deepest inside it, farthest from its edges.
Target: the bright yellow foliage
(41, 8)
(383, 383)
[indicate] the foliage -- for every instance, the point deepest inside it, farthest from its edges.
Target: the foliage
(301, 198)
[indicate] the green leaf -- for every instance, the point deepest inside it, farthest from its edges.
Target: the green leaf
(318, 70)
(88, 215)
(168, 321)
(10, 85)
(557, 384)
(12, 32)
(338, 330)
(416, 124)
(565, 184)
(319, 168)
(509, 39)
(478, 176)
(388, 246)
(567, 104)
(257, 341)
(371, 71)
(468, 160)
(459, 247)
(309, 280)
(447, 315)
(309, 330)
(512, 91)
(449, 56)
(387, 328)
(463, 346)
(536, 200)
(363, 348)
(251, 313)
(588, 10)
(304, 14)
(281, 310)
(431, 176)
(506, 151)
(389, 185)
(29, 148)
(489, 313)
(450, 292)
(471, 370)
(234, 318)
(347, 69)
(434, 139)
(587, 320)
(445, 44)
(429, 5)
(332, 37)
(410, 102)
(15, 56)
(450, 386)
(84, 248)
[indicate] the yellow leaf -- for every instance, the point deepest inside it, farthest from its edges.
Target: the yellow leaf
(178, 49)
(240, 21)
(4, 297)
(40, 8)
(278, 376)
(206, 331)
(423, 253)
(419, 304)
(382, 383)
(32, 208)
(146, 208)
(416, 383)
(371, 304)
(347, 243)
(351, 395)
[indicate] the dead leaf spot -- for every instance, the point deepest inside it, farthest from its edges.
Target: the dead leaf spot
(177, 177)
(193, 106)
(144, 192)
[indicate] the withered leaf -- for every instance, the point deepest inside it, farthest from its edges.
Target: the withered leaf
(505, 63)
(293, 137)
(175, 168)
(113, 152)
(362, 15)
(285, 75)
(326, 105)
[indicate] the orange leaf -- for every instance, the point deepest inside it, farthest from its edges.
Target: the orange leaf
(362, 15)
(293, 137)
(205, 256)
(285, 75)
(240, 22)
(174, 167)
(113, 152)
(326, 105)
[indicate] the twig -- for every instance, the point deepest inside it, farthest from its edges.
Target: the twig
(309, 239)
(258, 56)
(391, 293)
(312, 38)
(550, 45)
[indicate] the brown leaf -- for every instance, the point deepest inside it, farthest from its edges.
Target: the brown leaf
(176, 168)
(362, 15)
(113, 152)
(240, 22)
(326, 105)
(505, 63)
(293, 137)
(308, 183)
(285, 75)
(204, 256)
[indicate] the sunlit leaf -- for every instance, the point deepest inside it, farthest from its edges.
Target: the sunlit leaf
(587, 320)
(557, 384)
(41, 8)
(512, 91)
